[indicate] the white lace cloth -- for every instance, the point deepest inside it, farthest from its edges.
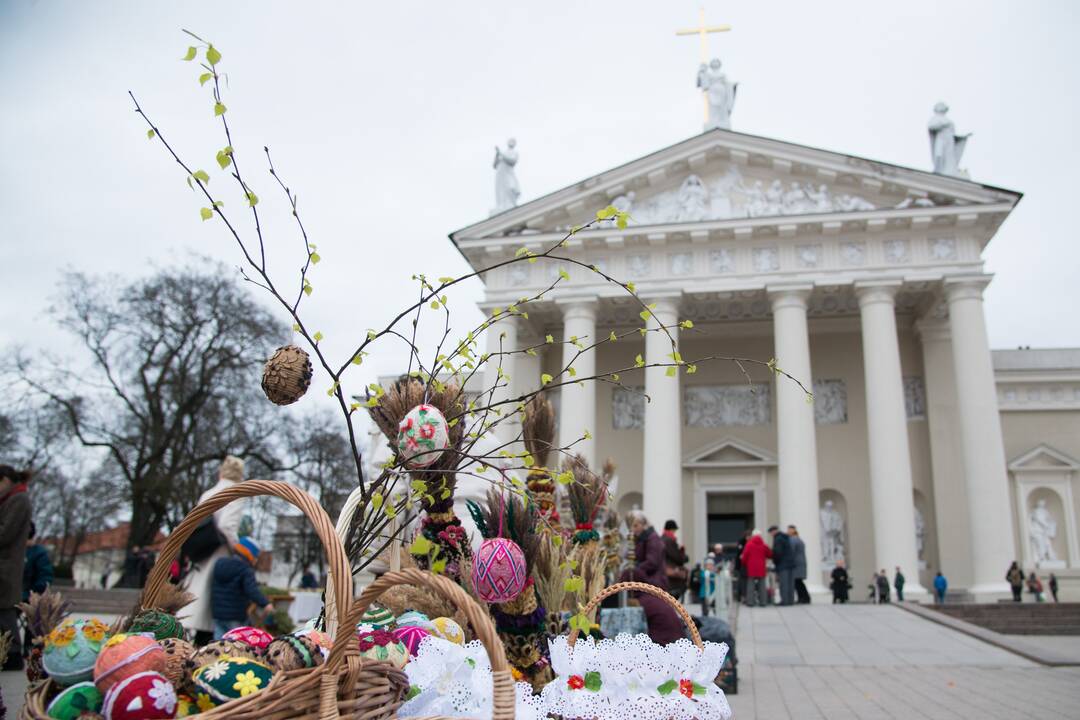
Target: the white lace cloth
(454, 680)
(633, 678)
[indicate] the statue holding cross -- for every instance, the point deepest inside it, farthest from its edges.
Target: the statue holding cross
(718, 92)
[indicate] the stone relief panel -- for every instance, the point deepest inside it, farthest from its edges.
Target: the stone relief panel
(627, 408)
(681, 263)
(853, 253)
(730, 195)
(710, 406)
(943, 248)
(896, 251)
(519, 274)
(808, 256)
(766, 259)
(830, 402)
(915, 398)
(639, 266)
(722, 261)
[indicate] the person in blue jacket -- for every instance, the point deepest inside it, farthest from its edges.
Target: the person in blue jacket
(940, 586)
(233, 588)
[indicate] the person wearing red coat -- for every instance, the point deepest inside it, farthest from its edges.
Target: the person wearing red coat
(753, 560)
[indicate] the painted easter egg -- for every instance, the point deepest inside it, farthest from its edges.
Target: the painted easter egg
(71, 650)
(142, 696)
(255, 637)
(74, 701)
(448, 629)
(382, 646)
(499, 572)
(422, 436)
(230, 678)
(125, 655)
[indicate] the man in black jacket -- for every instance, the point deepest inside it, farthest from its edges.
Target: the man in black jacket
(784, 562)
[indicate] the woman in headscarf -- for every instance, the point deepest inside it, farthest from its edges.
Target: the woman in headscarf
(665, 626)
(197, 616)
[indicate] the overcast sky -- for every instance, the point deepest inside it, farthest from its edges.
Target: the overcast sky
(382, 116)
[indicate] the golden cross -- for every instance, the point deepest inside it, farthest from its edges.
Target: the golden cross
(702, 31)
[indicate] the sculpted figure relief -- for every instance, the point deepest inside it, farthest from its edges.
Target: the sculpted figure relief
(920, 533)
(1043, 530)
(832, 534)
(693, 200)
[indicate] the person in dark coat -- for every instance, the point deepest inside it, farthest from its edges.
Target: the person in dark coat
(15, 513)
(784, 562)
(665, 626)
(882, 586)
(898, 583)
(753, 560)
(840, 584)
(233, 588)
(675, 559)
(1052, 584)
(308, 581)
(1015, 578)
(798, 549)
(38, 570)
(740, 572)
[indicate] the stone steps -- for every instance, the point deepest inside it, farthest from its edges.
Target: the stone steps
(108, 602)
(1019, 618)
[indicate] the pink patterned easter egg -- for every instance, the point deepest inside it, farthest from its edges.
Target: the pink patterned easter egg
(422, 436)
(410, 636)
(499, 572)
(253, 636)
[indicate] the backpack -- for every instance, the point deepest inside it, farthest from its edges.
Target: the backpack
(202, 543)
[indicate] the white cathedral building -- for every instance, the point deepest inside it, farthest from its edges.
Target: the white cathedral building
(922, 449)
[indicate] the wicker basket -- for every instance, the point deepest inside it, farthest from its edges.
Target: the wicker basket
(478, 617)
(343, 687)
(651, 590)
(286, 375)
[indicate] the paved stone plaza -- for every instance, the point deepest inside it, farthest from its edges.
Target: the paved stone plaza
(867, 661)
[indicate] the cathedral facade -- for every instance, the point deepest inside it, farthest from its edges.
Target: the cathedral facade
(894, 437)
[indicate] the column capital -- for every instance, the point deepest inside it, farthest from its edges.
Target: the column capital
(966, 287)
(577, 308)
(870, 292)
(665, 301)
(794, 295)
(932, 329)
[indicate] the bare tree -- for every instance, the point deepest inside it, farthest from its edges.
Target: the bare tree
(169, 390)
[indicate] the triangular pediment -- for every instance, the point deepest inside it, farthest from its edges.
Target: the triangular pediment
(729, 452)
(723, 175)
(1044, 457)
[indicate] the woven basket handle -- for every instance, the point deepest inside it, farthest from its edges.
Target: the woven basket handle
(335, 553)
(651, 590)
(478, 618)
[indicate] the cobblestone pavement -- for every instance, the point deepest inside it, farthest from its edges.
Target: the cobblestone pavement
(867, 661)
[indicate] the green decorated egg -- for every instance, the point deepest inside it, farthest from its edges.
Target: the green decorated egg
(379, 618)
(229, 678)
(74, 701)
(161, 624)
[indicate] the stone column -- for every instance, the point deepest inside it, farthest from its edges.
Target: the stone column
(502, 336)
(892, 498)
(577, 412)
(662, 466)
(947, 465)
(795, 432)
(983, 449)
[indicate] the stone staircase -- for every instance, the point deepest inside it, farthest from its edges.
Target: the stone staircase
(117, 601)
(1018, 618)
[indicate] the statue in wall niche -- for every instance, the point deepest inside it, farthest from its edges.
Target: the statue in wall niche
(1043, 530)
(719, 92)
(693, 200)
(920, 533)
(832, 534)
(507, 189)
(946, 147)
